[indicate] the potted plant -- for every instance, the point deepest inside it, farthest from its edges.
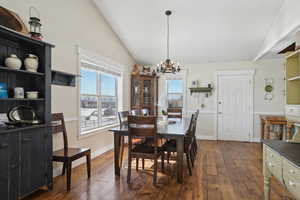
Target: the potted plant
(164, 115)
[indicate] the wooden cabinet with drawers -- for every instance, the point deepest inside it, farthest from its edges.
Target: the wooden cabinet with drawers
(279, 166)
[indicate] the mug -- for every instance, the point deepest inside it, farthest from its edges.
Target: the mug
(19, 92)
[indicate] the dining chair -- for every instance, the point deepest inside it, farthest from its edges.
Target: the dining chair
(143, 126)
(195, 144)
(170, 145)
(174, 112)
(123, 121)
(123, 117)
(67, 155)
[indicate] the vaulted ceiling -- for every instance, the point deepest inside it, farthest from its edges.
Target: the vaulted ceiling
(201, 31)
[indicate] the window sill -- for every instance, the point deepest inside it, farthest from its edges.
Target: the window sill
(93, 132)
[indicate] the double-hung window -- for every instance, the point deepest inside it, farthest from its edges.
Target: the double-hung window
(98, 98)
(175, 93)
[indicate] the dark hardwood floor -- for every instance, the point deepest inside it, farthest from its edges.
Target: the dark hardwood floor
(223, 171)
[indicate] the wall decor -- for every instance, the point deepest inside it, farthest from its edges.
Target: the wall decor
(3, 91)
(268, 89)
(135, 70)
(31, 63)
(13, 62)
(11, 20)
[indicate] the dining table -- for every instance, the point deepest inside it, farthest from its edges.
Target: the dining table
(172, 129)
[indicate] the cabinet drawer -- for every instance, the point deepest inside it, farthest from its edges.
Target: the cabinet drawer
(292, 184)
(272, 156)
(290, 169)
(276, 169)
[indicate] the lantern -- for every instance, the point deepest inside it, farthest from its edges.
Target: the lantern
(35, 24)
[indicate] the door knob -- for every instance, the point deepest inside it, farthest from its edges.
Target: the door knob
(220, 113)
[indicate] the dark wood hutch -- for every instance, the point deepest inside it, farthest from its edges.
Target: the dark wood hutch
(144, 92)
(25, 152)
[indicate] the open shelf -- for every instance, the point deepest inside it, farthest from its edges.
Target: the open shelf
(2, 68)
(200, 89)
(21, 99)
(294, 78)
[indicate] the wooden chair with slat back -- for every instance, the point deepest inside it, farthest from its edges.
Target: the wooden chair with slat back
(195, 144)
(170, 145)
(174, 112)
(143, 126)
(68, 155)
(123, 117)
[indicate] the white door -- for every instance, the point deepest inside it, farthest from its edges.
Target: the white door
(234, 106)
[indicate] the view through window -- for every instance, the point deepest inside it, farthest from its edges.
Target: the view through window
(175, 93)
(98, 99)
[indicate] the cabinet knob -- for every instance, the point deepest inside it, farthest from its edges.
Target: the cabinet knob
(291, 183)
(270, 164)
(292, 171)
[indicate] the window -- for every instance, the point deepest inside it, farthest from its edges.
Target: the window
(98, 99)
(175, 93)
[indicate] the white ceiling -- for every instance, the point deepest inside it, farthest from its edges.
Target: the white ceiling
(201, 31)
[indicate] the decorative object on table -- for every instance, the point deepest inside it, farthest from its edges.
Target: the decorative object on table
(31, 63)
(3, 91)
(13, 62)
(268, 89)
(168, 66)
(135, 70)
(164, 115)
(146, 70)
(35, 23)
(20, 115)
(32, 94)
(11, 20)
(19, 92)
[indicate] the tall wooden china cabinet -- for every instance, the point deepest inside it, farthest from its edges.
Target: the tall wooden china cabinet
(144, 92)
(25, 151)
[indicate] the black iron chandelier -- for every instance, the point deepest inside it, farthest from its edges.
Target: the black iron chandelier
(168, 66)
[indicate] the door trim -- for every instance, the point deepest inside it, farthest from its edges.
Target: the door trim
(251, 74)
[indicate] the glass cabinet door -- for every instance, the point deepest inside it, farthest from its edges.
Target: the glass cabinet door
(135, 93)
(146, 92)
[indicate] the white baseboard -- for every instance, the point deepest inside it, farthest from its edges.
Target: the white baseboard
(255, 140)
(57, 171)
(205, 137)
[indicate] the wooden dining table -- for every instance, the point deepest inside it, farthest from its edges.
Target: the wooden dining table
(174, 129)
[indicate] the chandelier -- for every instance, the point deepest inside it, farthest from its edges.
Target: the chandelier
(168, 66)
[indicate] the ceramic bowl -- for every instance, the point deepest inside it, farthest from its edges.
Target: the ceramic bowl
(32, 95)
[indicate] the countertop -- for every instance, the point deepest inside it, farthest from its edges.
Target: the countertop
(290, 151)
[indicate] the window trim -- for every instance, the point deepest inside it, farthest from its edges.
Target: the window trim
(99, 97)
(180, 93)
(88, 57)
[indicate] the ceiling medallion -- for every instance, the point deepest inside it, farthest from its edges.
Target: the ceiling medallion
(168, 66)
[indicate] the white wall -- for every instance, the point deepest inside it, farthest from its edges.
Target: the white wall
(285, 25)
(206, 73)
(66, 24)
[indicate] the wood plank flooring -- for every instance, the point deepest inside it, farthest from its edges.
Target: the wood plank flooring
(223, 171)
